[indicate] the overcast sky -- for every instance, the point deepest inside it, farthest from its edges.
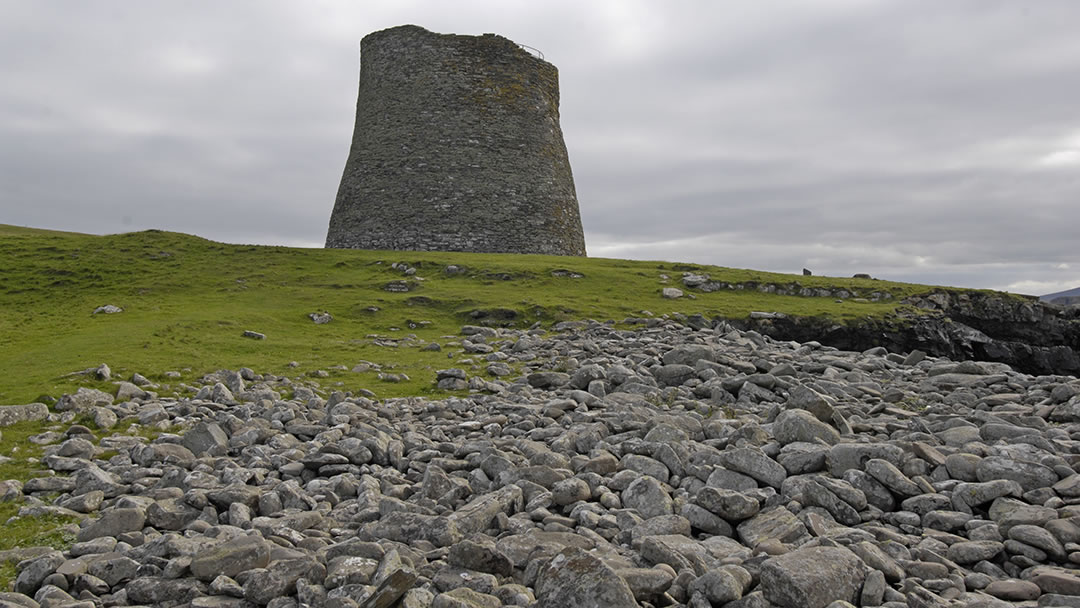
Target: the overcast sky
(927, 141)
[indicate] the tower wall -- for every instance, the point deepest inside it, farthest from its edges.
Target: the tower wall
(457, 147)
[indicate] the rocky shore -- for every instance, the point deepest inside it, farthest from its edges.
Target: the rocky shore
(677, 464)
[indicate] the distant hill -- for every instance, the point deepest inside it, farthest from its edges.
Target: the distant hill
(1063, 298)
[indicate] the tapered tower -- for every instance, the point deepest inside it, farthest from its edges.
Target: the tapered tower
(457, 147)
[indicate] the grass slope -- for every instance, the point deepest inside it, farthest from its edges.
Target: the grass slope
(186, 301)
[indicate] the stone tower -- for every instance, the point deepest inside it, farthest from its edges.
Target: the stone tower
(457, 147)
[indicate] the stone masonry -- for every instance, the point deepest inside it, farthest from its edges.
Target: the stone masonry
(457, 147)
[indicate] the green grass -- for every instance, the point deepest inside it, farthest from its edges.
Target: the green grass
(25, 463)
(187, 300)
(46, 531)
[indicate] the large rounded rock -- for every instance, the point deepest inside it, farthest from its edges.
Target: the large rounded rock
(231, 557)
(576, 578)
(1030, 475)
(752, 462)
(113, 522)
(800, 425)
(812, 577)
(34, 571)
(674, 374)
(648, 497)
(689, 354)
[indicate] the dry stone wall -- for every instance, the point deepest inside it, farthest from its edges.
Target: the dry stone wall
(457, 147)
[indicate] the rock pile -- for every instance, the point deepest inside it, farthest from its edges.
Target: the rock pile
(671, 465)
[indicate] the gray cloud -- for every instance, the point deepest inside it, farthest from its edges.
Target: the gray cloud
(932, 142)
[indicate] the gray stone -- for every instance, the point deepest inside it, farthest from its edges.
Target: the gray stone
(92, 478)
(689, 354)
(874, 557)
(722, 585)
(1053, 580)
(673, 375)
(114, 522)
(585, 375)
(647, 497)
(646, 466)
(156, 591)
(548, 380)
(845, 456)
(773, 523)
(126, 391)
(732, 506)
(231, 557)
(11, 490)
(873, 589)
(479, 512)
(480, 556)
(967, 495)
(1039, 538)
(206, 439)
(392, 582)
(350, 570)
(803, 398)
(752, 462)
(10, 414)
(800, 425)
(1013, 590)
(278, 579)
(405, 527)
(171, 514)
(33, 572)
(1054, 600)
(1029, 475)
(569, 491)
(891, 477)
(520, 548)
(812, 577)
(576, 578)
(815, 493)
(647, 584)
(114, 570)
(969, 552)
(82, 400)
(104, 418)
(463, 597)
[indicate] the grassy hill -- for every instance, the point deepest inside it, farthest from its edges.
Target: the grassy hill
(187, 300)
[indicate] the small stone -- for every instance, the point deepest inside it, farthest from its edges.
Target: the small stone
(569, 491)
(320, 318)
